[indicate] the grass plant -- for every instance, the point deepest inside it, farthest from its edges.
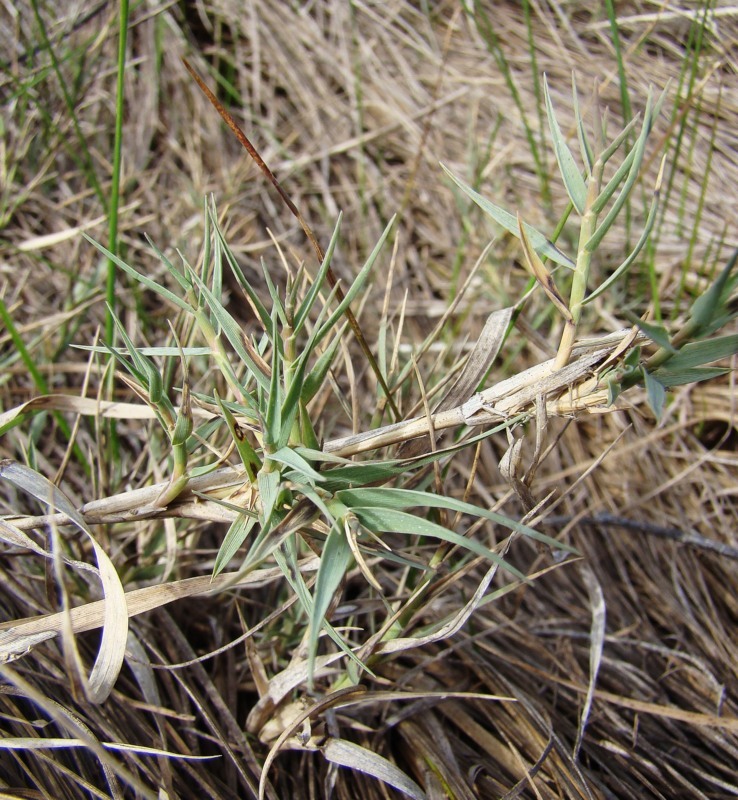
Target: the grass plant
(351, 541)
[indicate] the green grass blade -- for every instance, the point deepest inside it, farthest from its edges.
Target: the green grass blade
(235, 536)
(311, 296)
(117, 157)
(695, 354)
(146, 281)
(334, 561)
(409, 498)
(625, 266)
(291, 458)
(570, 172)
(232, 331)
(389, 520)
(509, 222)
(638, 152)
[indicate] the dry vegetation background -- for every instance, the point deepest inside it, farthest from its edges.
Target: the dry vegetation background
(353, 105)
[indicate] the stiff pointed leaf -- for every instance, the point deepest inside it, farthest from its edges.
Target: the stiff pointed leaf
(160, 352)
(711, 303)
(310, 298)
(178, 276)
(585, 148)
(234, 538)
(570, 173)
(355, 287)
(232, 331)
(647, 228)
(387, 520)
(636, 159)
(656, 393)
(695, 354)
(150, 284)
(655, 331)
(317, 375)
(509, 222)
(268, 483)
(261, 310)
(247, 454)
(399, 499)
(334, 561)
(669, 377)
(292, 459)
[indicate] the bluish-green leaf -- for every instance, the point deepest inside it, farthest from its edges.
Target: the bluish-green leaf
(637, 159)
(509, 222)
(334, 561)
(316, 376)
(232, 332)
(389, 520)
(234, 538)
(669, 377)
(292, 459)
(655, 331)
(711, 303)
(241, 278)
(355, 287)
(160, 290)
(570, 172)
(656, 393)
(410, 498)
(311, 296)
(268, 483)
(695, 354)
(181, 279)
(623, 268)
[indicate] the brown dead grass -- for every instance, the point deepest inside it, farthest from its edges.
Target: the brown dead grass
(353, 110)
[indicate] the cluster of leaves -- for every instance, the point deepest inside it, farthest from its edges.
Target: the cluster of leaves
(681, 356)
(299, 492)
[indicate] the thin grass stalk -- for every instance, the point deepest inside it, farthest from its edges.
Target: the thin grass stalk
(115, 184)
(39, 381)
(86, 163)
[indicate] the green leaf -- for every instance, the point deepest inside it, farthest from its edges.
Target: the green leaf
(355, 286)
(181, 279)
(277, 305)
(160, 352)
(160, 290)
(656, 393)
(311, 296)
(509, 222)
(247, 454)
(241, 278)
(232, 332)
(637, 159)
(316, 376)
(334, 561)
(268, 484)
(389, 520)
(234, 538)
(669, 377)
(411, 498)
(655, 331)
(291, 458)
(711, 303)
(570, 173)
(695, 354)
(584, 147)
(623, 268)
